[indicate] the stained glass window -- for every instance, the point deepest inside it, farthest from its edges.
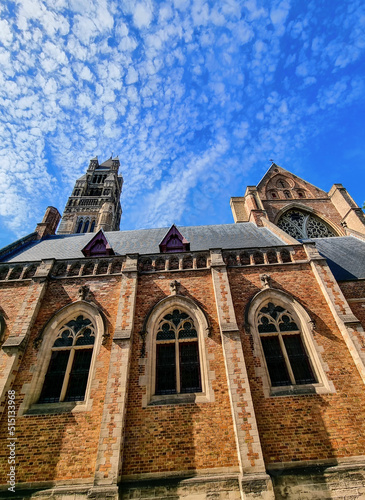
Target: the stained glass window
(302, 225)
(177, 355)
(68, 370)
(285, 354)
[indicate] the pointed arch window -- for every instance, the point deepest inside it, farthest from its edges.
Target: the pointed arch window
(68, 370)
(86, 227)
(92, 226)
(79, 226)
(291, 360)
(301, 225)
(178, 370)
(177, 355)
(286, 358)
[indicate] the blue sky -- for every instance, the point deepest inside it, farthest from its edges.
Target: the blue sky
(194, 96)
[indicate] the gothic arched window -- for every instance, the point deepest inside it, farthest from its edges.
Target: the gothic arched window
(86, 227)
(286, 358)
(68, 370)
(289, 359)
(79, 226)
(301, 225)
(92, 226)
(177, 355)
(175, 345)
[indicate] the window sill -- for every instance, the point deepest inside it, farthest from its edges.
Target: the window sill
(174, 399)
(298, 390)
(57, 408)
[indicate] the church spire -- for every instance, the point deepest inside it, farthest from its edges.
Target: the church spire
(95, 200)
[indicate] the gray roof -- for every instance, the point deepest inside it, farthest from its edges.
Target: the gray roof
(345, 256)
(146, 241)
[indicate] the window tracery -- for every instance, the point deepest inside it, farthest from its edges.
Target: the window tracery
(177, 355)
(302, 225)
(175, 337)
(286, 357)
(290, 361)
(68, 370)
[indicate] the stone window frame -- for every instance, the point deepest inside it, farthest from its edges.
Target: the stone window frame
(313, 350)
(32, 390)
(2, 327)
(148, 381)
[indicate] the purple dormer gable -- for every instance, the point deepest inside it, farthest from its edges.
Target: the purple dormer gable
(98, 246)
(174, 241)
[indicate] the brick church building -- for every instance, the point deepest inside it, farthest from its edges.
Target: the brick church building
(206, 362)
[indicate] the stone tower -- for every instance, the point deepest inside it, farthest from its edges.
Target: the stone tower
(95, 200)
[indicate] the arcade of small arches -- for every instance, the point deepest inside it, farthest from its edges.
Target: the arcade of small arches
(99, 179)
(85, 225)
(284, 189)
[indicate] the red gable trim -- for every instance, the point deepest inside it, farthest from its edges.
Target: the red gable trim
(174, 242)
(98, 246)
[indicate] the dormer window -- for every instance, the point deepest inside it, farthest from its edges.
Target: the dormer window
(174, 242)
(98, 246)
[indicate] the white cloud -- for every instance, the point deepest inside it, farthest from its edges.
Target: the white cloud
(142, 15)
(279, 13)
(6, 35)
(132, 76)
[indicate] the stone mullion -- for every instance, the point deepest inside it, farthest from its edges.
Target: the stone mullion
(252, 466)
(19, 335)
(110, 449)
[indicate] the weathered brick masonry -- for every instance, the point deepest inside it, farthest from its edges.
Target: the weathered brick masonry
(61, 446)
(311, 427)
(178, 437)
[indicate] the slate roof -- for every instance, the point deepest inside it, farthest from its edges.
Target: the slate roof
(146, 241)
(345, 256)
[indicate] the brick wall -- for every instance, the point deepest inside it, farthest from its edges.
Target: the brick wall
(324, 207)
(186, 436)
(61, 446)
(306, 427)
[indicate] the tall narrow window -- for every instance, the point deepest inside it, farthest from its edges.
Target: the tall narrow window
(92, 226)
(68, 371)
(177, 355)
(79, 226)
(285, 354)
(86, 227)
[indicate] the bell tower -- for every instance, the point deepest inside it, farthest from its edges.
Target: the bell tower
(95, 200)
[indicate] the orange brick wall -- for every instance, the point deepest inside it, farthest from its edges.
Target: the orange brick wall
(355, 290)
(11, 298)
(324, 207)
(64, 446)
(178, 437)
(169, 438)
(308, 427)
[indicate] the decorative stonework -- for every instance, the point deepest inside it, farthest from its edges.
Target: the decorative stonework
(301, 225)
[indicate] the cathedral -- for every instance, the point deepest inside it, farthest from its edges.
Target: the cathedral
(218, 362)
